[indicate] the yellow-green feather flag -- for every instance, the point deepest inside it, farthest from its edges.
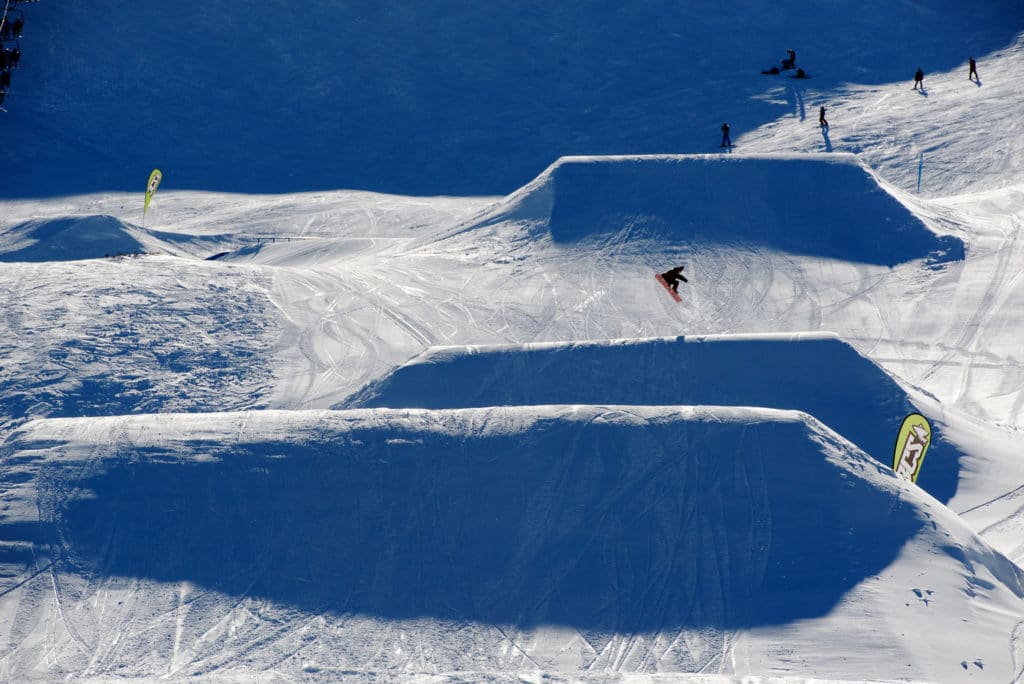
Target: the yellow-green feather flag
(911, 444)
(154, 183)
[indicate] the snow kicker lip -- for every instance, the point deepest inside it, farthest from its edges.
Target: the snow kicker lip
(827, 205)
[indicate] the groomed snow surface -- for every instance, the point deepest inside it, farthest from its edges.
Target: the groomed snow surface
(346, 435)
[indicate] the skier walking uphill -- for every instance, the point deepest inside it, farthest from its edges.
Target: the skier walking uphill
(673, 276)
(821, 117)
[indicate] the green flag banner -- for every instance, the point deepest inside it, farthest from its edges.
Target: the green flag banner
(914, 437)
(154, 183)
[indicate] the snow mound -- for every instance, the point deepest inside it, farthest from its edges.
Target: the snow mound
(73, 238)
(817, 373)
(616, 520)
(828, 205)
(507, 524)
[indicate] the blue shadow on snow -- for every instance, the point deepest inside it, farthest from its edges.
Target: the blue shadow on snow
(599, 527)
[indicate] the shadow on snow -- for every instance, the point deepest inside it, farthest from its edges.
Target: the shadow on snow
(429, 98)
(589, 523)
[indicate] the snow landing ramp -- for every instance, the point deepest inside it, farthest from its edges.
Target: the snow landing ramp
(645, 522)
(599, 490)
(816, 373)
(827, 205)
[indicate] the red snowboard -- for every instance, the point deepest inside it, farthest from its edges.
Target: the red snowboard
(675, 295)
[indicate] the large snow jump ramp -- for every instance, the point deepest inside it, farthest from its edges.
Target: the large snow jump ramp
(817, 373)
(828, 205)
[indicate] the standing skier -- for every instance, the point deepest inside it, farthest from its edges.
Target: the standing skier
(821, 117)
(974, 70)
(919, 79)
(726, 142)
(673, 276)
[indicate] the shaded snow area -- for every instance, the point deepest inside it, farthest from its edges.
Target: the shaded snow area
(819, 375)
(382, 386)
(539, 538)
(428, 99)
(839, 211)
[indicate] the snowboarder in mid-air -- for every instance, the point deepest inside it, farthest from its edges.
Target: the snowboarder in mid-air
(673, 276)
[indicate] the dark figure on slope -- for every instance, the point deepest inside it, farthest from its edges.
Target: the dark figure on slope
(974, 70)
(726, 142)
(673, 276)
(821, 117)
(919, 79)
(790, 61)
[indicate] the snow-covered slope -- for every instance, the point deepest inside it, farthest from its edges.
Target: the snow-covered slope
(429, 98)
(957, 136)
(575, 477)
(663, 539)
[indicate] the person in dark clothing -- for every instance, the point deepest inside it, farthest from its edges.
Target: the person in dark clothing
(919, 79)
(790, 61)
(16, 27)
(974, 70)
(673, 276)
(821, 117)
(5, 79)
(726, 142)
